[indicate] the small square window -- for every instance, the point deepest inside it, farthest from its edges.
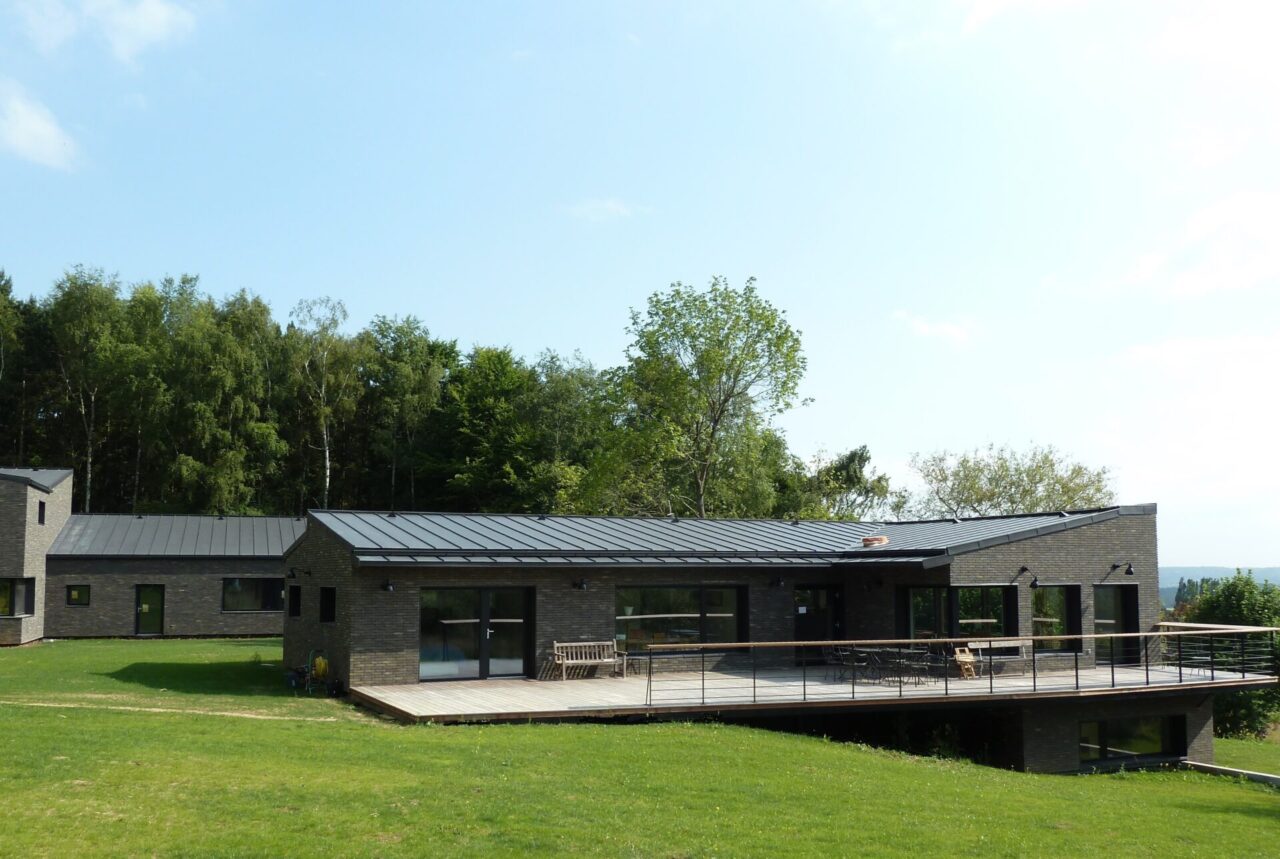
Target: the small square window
(328, 605)
(77, 594)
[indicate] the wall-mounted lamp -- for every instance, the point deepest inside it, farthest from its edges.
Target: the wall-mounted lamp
(389, 586)
(295, 570)
(776, 582)
(1128, 567)
(1023, 569)
(292, 574)
(1035, 581)
(580, 585)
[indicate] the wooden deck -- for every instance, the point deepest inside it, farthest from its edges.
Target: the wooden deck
(676, 693)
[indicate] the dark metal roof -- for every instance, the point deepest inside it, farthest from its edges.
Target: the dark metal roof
(105, 536)
(515, 534)
(44, 479)
(479, 539)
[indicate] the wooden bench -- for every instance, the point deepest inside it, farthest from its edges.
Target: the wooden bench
(1021, 659)
(568, 653)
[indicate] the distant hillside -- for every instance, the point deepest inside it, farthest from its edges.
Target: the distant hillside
(1169, 578)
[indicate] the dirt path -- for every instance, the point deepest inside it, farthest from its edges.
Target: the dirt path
(194, 712)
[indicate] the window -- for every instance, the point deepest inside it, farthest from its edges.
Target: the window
(679, 615)
(295, 600)
(17, 597)
(1129, 739)
(928, 613)
(988, 612)
(252, 594)
(328, 605)
(1055, 610)
(40, 513)
(77, 594)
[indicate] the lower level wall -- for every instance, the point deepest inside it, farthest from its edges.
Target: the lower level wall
(192, 597)
(21, 629)
(1051, 730)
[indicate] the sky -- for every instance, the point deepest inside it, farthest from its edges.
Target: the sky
(995, 221)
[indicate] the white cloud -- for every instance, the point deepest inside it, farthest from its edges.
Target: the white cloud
(608, 209)
(131, 28)
(29, 130)
(128, 26)
(1227, 245)
(48, 23)
(956, 333)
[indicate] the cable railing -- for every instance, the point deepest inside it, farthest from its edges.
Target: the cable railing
(776, 672)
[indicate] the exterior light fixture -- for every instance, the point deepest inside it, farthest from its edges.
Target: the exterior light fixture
(1035, 581)
(1128, 567)
(1023, 569)
(295, 570)
(580, 585)
(776, 582)
(388, 586)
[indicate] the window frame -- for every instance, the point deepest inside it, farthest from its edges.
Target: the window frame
(264, 580)
(293, 601)
(1008, 611)
(87, 596)
(40, 512)
(1173, 740)
(27, 593)
(1072, 606)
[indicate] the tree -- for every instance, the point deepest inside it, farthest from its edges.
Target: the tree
(702, 365)
(1243, 601)
(85, 315)
(9, 320)
(327, 364)
(999, 480)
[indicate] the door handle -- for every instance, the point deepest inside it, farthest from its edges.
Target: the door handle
(488, 633)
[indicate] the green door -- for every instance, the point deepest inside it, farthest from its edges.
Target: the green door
(150, 610)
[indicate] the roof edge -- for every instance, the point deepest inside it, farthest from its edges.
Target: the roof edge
(60, 475)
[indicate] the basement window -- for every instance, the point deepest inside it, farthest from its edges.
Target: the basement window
(252, 594)
(1120, 740)
(77, 594)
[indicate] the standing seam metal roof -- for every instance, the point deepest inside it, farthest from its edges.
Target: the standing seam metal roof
(44, 479)
(112, 536)
(476, 539)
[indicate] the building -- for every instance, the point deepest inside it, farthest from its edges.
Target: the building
(34, 505)
(404, 606)
(65, 575)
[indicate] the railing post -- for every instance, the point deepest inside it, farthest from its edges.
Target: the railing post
(1034, 679)
(1112, 642)
(1243, 636)
(648, 695)
(804, 678)
(753, 674)
(1146, 658)
(946, 672)
(853, 672)
(1179, 659)
(1213, 660)
(702, 652)
(1076, 654)
(991, 678)
(899, 668)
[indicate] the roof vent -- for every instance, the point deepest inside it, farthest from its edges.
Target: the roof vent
(542, 517)
(955, 520)
(795, 521)
(872, 542)
(1063, 513)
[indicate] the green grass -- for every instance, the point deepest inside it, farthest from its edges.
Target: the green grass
(1256, 755)
(89, 778)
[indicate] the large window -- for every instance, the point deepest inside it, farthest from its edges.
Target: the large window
(252, 594)
(295, 601)
(987, 612)
(678, 615)
(17, 597)
(1127, 739)
(1055, 610)
(927, 613)
(77, 594)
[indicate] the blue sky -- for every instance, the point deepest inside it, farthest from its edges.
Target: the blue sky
(1006, 221)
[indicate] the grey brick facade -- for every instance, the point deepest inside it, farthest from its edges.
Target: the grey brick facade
(24, 542)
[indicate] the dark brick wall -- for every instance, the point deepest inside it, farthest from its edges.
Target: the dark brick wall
(24, 543)
(1051, 731)
(1081, 556)
(192, 596)
(320, 560)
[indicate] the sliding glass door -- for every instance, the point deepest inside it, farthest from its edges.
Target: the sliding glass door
(473, 633)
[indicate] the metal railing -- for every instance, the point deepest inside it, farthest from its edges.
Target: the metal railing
(774, 672)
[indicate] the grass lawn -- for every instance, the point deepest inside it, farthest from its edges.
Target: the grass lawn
(154, 751)
(1256, 755)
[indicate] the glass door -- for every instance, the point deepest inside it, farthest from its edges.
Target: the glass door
(472, 633)
(1115, 610)
(817, 618)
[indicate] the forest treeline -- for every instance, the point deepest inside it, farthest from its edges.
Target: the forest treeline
(165, 399)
